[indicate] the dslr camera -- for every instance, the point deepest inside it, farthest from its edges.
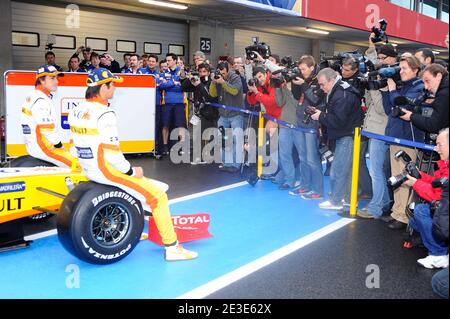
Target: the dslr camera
(326, 153)
(413, 105)
(309, 110)
(410, 169)
(262, 48)
(380, 33)
(195, 76)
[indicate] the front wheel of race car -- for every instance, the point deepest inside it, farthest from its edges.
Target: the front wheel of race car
(100, 224)
(29, 161)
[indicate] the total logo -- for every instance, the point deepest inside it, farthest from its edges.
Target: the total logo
(183, 220)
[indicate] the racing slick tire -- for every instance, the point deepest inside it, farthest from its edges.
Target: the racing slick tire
(30, 161)
(100, 224)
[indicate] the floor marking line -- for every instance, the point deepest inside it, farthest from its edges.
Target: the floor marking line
(243, 271)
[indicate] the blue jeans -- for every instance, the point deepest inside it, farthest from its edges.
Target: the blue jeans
(310, 162)
(233, 155)
(423, 222)
(341, 170)
(380, 193)
(439, 282)
(287, 140)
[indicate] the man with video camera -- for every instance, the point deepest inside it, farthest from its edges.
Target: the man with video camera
(227, 87)
(412, 87)
(422, 221)
(341, 116)
(435, 79)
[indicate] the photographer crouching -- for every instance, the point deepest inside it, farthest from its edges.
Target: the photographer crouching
(422, 221)
(341, 116)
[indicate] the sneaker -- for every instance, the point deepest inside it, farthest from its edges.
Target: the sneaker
(312, 196)
(177, 252)
(330, 205)
(299, 190)
(165, 149)
(431, 261)
(364, 214)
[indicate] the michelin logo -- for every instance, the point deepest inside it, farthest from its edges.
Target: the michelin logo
(12, 187)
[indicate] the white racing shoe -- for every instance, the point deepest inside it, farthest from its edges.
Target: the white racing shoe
(177, 252)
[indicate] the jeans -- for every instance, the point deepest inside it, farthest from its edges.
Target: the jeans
(341, 170)
(380, 193)
(439, 282)
(234, 153)
(288, 138)
(423, 222)
(311, 175)
(364, 180)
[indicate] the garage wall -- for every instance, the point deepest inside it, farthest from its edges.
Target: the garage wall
(47, 20)
(279, 44)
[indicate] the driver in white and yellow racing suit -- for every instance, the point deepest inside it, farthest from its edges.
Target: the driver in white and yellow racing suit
(38, 121)
(94, 132)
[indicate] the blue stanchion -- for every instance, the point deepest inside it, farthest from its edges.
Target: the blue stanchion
(279, 122)
(399, 141)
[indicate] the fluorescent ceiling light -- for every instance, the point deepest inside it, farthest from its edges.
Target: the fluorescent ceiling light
(436, 52)
(393, 44)
(317, 31)
(165, 4)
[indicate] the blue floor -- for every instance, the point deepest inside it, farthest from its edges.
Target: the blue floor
(246, 223)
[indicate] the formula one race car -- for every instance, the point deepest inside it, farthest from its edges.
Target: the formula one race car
(97, 223)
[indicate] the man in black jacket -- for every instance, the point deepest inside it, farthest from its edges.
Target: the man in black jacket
(199, 85)
(435, 78)
(341, 116)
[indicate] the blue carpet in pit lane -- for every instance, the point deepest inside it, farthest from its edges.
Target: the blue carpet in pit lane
(247, 223)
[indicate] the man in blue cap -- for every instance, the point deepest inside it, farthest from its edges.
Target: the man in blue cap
(38, 121)
(95, 135)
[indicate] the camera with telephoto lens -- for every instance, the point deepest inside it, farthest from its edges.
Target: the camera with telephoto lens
(252, 82)
(380, 33)
(410, 169)
(335, 62)
(262, 48)
(413, 105)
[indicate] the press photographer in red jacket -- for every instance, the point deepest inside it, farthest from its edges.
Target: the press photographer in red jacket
(423, 219)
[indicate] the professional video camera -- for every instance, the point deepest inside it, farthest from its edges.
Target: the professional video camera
(380, 33)
(370, 81)
(413, 105)
(410, 169)
(335, 62)
(262, 48)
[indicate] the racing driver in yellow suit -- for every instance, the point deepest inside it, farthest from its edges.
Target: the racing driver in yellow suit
(95, 136)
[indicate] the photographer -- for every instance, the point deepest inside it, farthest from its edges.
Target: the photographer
(435, 79)
(375, 121)
(306, 90)
(412, 87)
(425, 56)
(86, 56)
(108, 62)
(199, 84)
(227, 87)
(422, 219)
(341, 116)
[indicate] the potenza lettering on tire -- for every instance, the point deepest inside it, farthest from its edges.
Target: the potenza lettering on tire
(102, 256)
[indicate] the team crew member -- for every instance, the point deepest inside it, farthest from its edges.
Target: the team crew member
(94, 132)
(173, 112)
(38, 122)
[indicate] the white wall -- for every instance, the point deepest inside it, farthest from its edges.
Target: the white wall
(52, 20)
